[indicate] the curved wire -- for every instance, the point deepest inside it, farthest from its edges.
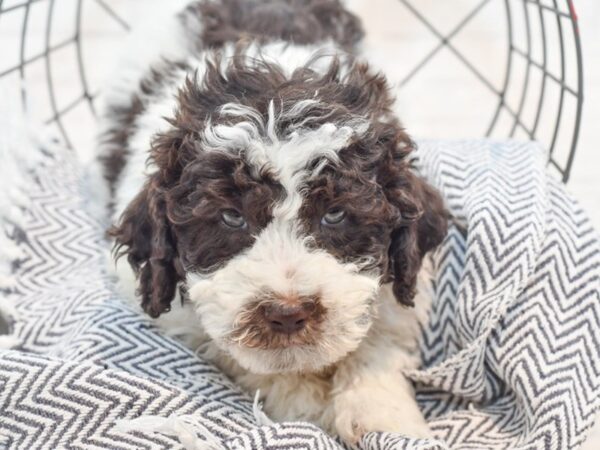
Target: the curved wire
(49, 79)
(82, 76)
(507, 72)
(578, 113)
(22, 64)
(562, 81)
(527, 73)
(544, 69)
(502, 107)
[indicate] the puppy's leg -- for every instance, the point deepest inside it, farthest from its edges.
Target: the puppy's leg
(370, 391)
(372, 394)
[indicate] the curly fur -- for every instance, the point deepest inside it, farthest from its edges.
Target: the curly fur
(281, 133)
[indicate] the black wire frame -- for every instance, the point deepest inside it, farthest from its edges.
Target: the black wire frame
(561, 11)
(87, 96)
(566, 20)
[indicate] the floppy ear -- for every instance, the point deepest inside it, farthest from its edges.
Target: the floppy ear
(421, 218)
(144, 235)
(422, 225)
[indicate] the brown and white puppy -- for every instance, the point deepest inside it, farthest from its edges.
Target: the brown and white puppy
(277, 226)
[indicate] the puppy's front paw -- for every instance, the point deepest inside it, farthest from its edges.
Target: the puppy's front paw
(358, 413)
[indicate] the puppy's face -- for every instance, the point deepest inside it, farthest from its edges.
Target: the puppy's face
(280, 204)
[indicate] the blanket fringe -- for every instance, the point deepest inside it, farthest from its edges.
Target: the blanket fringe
(259, 415)
(185, 428)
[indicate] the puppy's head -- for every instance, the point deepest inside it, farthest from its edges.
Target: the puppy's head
(280, 203)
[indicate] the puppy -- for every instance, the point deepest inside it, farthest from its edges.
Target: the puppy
(265, 202)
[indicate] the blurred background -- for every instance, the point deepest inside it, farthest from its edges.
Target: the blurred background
(447, 61)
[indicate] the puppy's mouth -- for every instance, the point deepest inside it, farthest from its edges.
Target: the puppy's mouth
(277, 322)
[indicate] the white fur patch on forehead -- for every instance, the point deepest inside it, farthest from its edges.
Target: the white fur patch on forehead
(253, 134)
(288, 155)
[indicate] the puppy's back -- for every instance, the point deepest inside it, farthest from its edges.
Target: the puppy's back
(295, 21)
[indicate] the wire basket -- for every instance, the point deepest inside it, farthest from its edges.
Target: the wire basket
(50, 46)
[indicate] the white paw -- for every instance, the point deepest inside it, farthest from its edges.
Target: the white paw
(356, 415)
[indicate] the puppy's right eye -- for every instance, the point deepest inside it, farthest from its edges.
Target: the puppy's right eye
(333, 217)
(233, 219)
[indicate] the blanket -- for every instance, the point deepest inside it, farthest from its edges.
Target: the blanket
(511, 352)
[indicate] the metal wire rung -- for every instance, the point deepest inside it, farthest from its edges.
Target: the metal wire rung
(550, 75)
(545, 7)
(557, 16)
(70, 106)
(111, 12)
(523, 86)
(44, 54)
(518, 122)
(445, 41)
(17, 6)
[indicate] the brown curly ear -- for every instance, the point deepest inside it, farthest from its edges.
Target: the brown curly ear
(422, 225)
(144, 235)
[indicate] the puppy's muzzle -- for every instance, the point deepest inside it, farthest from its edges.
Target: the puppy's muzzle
(278, 321)
(288, 319)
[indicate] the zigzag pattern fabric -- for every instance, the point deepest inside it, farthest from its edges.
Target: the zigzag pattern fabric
(511, 351)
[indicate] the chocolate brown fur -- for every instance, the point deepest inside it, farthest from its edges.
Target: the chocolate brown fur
(124, 117)
(279, 198)
(295, 21)
(394, 217)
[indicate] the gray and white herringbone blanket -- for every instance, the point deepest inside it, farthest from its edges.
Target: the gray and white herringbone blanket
(511, 352)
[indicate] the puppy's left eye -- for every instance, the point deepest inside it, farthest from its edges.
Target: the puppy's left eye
(333, 217)
(233, 219)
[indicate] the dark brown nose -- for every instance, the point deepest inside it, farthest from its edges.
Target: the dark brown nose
(287, 319)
